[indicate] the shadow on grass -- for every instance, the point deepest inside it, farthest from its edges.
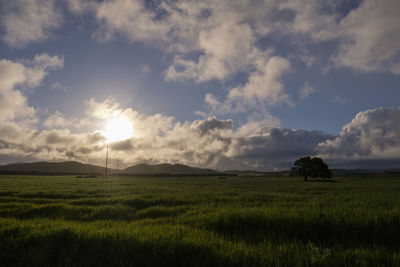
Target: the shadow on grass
(65, 247)
(324, 231)
(115, 212)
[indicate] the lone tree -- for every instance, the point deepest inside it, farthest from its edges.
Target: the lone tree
(311, 167)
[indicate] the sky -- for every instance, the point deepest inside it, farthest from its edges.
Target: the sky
(228, 84)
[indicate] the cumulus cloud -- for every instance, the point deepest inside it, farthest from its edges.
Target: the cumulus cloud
(227, 49)
(59, 121)
(318, 19)
(372, 134)
(210, 142)
(217, 40)
(264, 88)
(26, 21)
(19, 137)
(370, 38)
(368, 34)
(270, 148)
(131, 18)
(159, 138)
(208, 40)
(16, 76)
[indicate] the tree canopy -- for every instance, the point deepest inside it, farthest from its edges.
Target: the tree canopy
(311, 167)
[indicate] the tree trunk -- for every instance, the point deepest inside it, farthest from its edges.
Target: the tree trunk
(305, 178)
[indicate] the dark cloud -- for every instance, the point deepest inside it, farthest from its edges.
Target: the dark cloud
(212, 124)
(275, 147)
(122, 145)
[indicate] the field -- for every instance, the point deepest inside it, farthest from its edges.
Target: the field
(199, 221)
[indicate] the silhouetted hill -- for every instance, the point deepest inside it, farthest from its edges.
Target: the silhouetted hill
(68, 167)
(167, 168)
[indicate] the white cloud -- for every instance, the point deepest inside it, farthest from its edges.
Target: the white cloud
(226, 49)
(259, 143)
(102, 110)
(372, 134)
(26, 21)
(58, 121)
(264, 88)
(81, 6)
(368, 35)
(220, 39)
(371, 37)
(15, 76)
(158, 138)
(208, 40)
(313, 17)
(130, 18)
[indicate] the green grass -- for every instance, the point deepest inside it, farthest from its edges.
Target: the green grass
(199, 221)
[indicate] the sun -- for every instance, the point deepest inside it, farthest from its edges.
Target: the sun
(118, 128)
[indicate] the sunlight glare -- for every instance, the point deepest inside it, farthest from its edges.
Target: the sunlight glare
(118, 128)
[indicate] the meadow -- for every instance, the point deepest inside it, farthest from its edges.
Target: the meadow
(199, 221)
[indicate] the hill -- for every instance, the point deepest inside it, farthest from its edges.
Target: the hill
(166, 168)
(73, 167)
(51, 168)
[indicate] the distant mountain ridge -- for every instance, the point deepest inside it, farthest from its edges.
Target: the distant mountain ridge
(43, 167)
(73, 167)
(166, 168)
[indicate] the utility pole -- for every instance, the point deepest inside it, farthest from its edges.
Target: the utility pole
(107, 162)
(118, 164)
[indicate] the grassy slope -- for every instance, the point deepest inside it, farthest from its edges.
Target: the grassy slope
(240, 221)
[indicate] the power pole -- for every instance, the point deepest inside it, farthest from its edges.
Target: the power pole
(118, 164)
(107, 162)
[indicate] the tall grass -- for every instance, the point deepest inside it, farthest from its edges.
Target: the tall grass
(199, 221)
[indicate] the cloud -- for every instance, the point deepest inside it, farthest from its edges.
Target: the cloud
(158, 138)
(269, 147)
(26, 21)
(306, 90)
(58, 121)
(131, 18)
(59, 87)
(340, 100)
(218, 40)
(207, 40)
(81, 6)
(17, 118)
(17, 76)
(372, 134)
(368, 34)
(369, 37)
(318, 19)
(212, 124)
(264, 88)
(259, 143)
(102, 110)
(226, 49)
